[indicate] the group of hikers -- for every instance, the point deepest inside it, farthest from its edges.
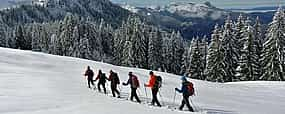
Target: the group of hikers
(154, 83)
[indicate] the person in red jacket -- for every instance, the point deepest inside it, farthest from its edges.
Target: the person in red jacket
(154, 89)
(114, 78)
(102, 80)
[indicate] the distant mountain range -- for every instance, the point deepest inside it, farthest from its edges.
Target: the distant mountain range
(190, 19)
(193, 19)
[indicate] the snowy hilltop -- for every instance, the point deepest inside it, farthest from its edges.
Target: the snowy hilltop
(37, 83)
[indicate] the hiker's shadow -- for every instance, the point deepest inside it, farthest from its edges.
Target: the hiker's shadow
(218, 111)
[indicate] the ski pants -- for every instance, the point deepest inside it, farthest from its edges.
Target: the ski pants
(154, 96)
(114, 90)
(90, 81)
(185, 100)
(103, 85)
(134, 94)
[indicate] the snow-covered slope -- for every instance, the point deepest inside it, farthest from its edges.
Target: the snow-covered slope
(36, 83)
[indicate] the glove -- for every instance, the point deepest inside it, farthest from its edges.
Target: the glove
(145, 85)
(176, 89)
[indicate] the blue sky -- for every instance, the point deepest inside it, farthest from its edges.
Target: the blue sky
(218, 3)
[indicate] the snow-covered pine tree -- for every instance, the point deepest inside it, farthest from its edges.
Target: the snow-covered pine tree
(3, 38)
(196, 66)
(248, 67)
(186, 59)
(230, 48)
(67, 31)
(20, 39)
(35, 37)
(74, 50)
(139, 45)
(44, 39)
(167, 52)
(85, 50)
(95, 41)
(239, 29)
(258, 35)
(215, 70)
(119, 41)
(128, 51)
(155, 49)
(52, 44)
(273, 52)
(178, 50)
(204, 50)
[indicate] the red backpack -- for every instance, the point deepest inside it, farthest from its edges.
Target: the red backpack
(135, 82)
(190, 87)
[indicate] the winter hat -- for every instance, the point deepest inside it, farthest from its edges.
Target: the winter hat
(130, 73)
(150, 73)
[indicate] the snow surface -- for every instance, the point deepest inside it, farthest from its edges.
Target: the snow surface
(36, 83)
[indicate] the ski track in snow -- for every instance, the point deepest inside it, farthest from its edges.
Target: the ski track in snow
(37, 83)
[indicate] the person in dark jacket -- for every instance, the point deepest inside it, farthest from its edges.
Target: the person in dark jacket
(102, 80)
(114, 78)
(134, 84)
(90, 74)
(184, 90)
(154, 89)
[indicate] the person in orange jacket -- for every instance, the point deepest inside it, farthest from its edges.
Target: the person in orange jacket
(154, 88)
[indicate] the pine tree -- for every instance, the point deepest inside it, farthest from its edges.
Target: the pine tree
(139, 45)
(178, 50)
(20, 39)
(196, 69)
(258, 35)
(35, 37)
(215, 70)
(167, 52)
(119, 41)
(74, 50)
(3, 36)
(273, 52)
(230, 48)
(154, 49)
(67, 31)
(248, 68)
(186, 60)
(204, 50)
(239, 30)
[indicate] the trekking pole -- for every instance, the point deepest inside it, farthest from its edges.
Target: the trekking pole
(174, 98)
(194, 107)
(139, 91)
(161, 98)
(145, 92)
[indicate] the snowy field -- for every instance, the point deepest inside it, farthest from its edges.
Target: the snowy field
(36, 83)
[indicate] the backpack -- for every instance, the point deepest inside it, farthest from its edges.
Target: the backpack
(116, 78)
(158, 82)
(190, 88)
(135, 82)
(102, 78)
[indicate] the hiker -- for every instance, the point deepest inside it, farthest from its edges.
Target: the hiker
(187, 90)
(134, 84)
(90, 74)
(102, 80)
(114, 78)
(154, 84)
